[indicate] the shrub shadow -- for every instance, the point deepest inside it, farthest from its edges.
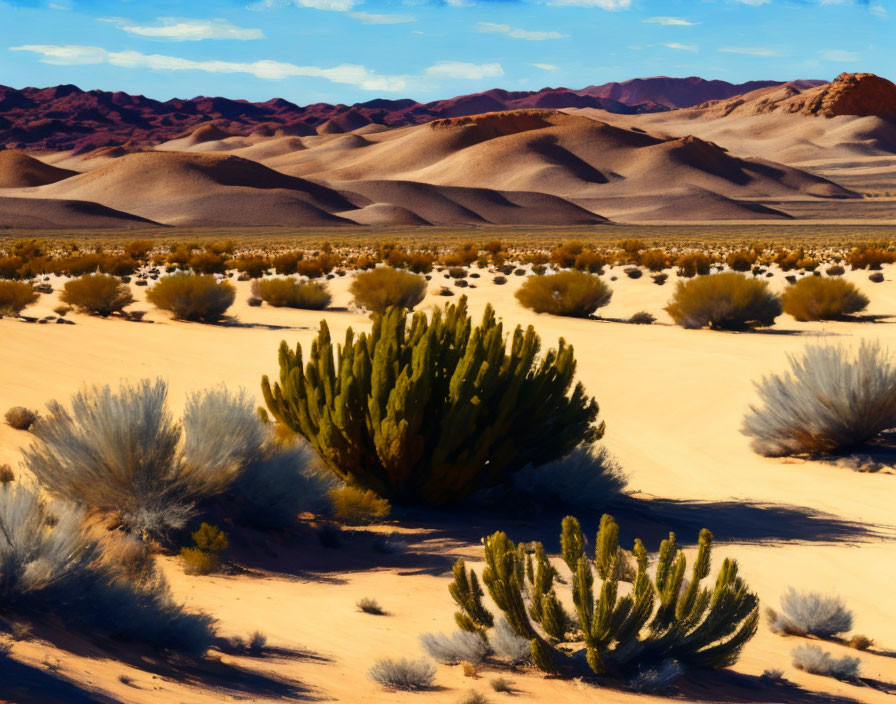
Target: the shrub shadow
(432, 539)
(724, 686)
(208, 672)
(25, 684)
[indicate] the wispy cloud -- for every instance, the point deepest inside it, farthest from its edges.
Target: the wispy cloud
(493, 28)
(839, 55)
(462, 69)
(671, 21)
(611, 5)
(370, 18)
(545, 67)
(682, 47)
(352, 74)
(179, 29)
(749, 51)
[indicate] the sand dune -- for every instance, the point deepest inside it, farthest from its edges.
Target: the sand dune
(18, 170)
(202, 189)
(451, 204)
(49, 213)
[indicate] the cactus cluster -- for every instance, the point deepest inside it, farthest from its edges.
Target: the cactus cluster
(640, 616)
(429, 410)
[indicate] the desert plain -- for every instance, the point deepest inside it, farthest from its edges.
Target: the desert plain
(673, 400)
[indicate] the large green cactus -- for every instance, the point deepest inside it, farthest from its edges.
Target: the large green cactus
(658, 618)
(429, 411)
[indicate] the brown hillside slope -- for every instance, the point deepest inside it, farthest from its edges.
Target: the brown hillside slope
(18, 170)
(47, 213)
(203, 189)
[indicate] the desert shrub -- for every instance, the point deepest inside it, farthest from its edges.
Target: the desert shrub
(203, 558)
(384, 287)
(565, 255)
(659, 679)
(587, 478)
(472, 697)
(816, 298)
(831, 401)
(460, 646)
(726, 301)
(772, 675)
(507, 645)
(591, 262)
(810, 613)
(690, 265)
(659, 279)
(192, 297)
(654, 259)
(835, 270)
(20, 418)
(275, 487)
(573, 293)
(97, 294)
(419, 262)
(404, 674)
(457, 272)
(253, 266)
(317, 266)
(287, 263)
(122, 453)
(207, 263)
(741, 261)
(6, 474)
(866, 257)
(642, 318)
(814, 660)
(370, 606)
(469, 669)
(15, 296)
(198, 562)
(860, 642)
(50, 569)
(407, 381)
(633, 272)
(501, 684)
(61, 311)
(354, 506)
(665, 617)
(292, 294)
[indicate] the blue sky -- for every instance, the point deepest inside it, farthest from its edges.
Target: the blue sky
(354, 50)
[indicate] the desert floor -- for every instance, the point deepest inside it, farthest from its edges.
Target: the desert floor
(672, 399)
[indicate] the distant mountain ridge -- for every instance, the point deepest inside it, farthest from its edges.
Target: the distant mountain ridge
(65, 117)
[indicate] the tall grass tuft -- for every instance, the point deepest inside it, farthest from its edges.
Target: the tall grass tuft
(832, 400)
(50, 569)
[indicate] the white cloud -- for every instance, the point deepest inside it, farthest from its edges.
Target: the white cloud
(369, 18)
(188, 30)
(462, 69)
(333, 5)
(545, 67)
(602, 4)
(755, 3)
(748, 51)
(839, 55)
(670, 21)
(351, 74)
(682, 47)
(491, 27)
(878, 10)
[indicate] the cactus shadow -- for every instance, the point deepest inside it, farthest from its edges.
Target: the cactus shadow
(741, 522)
(739, 688)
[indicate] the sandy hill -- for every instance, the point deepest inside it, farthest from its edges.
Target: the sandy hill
(202, 189)
(19, 170)
(545, 151)
(54, 213)
(860, 94)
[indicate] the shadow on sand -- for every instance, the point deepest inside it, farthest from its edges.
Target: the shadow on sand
(24, 684)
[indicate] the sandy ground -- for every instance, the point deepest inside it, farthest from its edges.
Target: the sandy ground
(673, 400)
